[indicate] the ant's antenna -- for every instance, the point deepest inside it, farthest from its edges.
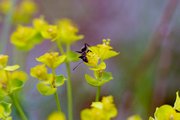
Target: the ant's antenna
(77, 65)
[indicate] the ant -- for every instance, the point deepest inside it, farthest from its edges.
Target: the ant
(83, 52)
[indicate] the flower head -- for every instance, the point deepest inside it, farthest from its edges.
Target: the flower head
(52, 59)
(40, 72)
(50, 32)
(68, 31)
(24, 38)
(39, 23)
(104, 110)
(104, 51)
(57, 116)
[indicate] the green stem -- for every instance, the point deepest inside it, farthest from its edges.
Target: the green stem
(98, 93)
(69, 84)
(7, 26)
(56, 93)
(69, 90)
(57, 101)
(18, 107)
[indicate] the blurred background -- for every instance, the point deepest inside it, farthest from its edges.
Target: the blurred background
(145, 32)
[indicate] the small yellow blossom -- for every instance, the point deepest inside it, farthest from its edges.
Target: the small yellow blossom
(3, 61)
(57, 116)
(104, 51)
(50, 32)
(19, 75)
(68, 31)
(39, 23)
(52, 59)
(40, 72)
(92, 59)
(104, 110)
(24, 38)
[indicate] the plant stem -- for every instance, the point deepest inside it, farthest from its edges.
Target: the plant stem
(57, 101)
(98, 93)
(7, 26)
(56, 93)
(69, 84)
(18, 106)
(69, 90)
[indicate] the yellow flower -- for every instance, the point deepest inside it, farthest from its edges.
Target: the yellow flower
(57, 116)
(24, 38)
(104, 110)
(104, 51)
(3, 61)
(134, 117)
(39, 23)
(40, 72)
(52, 59)
(92, 59)
(68, 31)
(19, 75)
(50, 32)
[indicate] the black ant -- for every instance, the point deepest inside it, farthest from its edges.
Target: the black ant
(83, 52)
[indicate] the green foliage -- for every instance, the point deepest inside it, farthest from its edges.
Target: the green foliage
(99, 81)
(45, 89)
(5, 111)
(60, 80)
(177, 102)
(11, 68)
(72, 56)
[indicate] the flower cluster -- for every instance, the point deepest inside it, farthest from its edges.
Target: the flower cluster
(96, 61)
(25, 38)
(48, 81)
(10, 80)
(104, 110)
(23, 11)
(167, 112)
(57, 116)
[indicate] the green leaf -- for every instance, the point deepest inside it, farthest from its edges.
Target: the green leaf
(5, 109)
(45, 89)
(59, 61)
(151, 118)
(16, 84)
(3, 93)
(101, 66)
(90, 80)
(177, 102)
(11, 68)
(60, 80)
(106, 77)
(72, 56)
